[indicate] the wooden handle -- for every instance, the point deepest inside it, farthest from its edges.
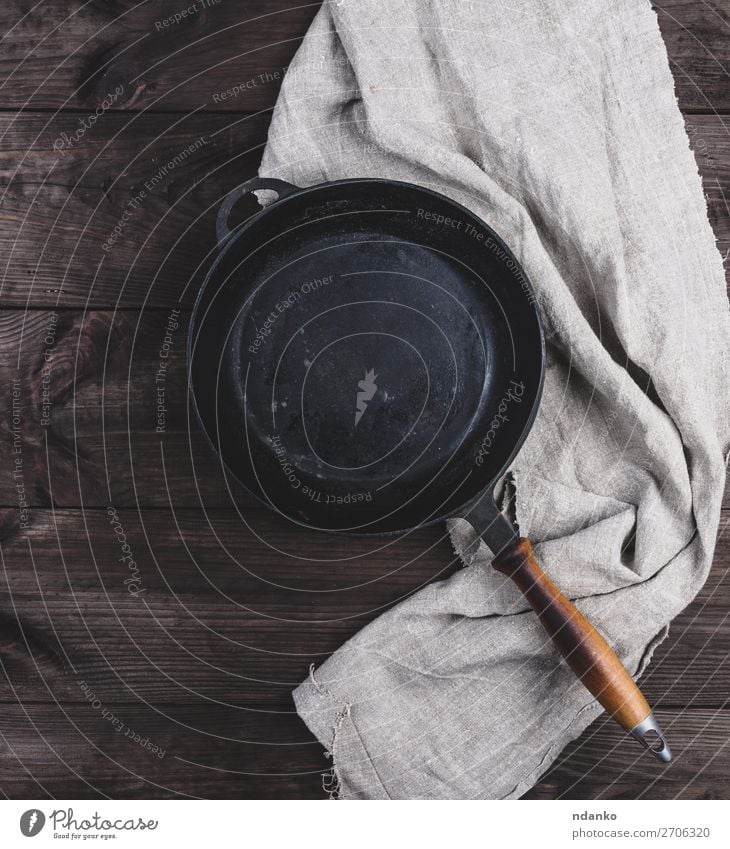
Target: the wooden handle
(584, 649)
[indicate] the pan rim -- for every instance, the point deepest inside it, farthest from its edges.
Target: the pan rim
(239, 232)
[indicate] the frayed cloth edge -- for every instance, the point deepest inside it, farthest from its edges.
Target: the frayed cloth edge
(331, 779)
(329, 717)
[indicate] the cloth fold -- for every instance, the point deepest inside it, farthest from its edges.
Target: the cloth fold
(557, 124)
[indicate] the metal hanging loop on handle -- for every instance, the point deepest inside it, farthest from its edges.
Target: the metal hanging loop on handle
(651, 736)
(281, 187)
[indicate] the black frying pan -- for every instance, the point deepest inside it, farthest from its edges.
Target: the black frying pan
(366, 356)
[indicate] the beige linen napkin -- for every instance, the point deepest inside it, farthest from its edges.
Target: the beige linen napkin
(556, 122)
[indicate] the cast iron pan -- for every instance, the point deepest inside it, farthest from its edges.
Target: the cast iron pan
(366, 356)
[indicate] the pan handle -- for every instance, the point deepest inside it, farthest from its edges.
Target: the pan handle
(584, 649)
(282, 188)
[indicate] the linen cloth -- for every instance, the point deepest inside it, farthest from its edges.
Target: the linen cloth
(557, 124)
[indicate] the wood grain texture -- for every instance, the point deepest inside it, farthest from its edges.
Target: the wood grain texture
(236, 604)
(60, 55)
(123, 217)
(99, 748)
(90, 436)
(227, 607)
(236, 607)
(203, 668)
(603, 763)
(696, 37)
(221, 752)
(60, 209)
(89, 412)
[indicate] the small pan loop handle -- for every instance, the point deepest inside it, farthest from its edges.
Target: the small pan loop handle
(281, 187)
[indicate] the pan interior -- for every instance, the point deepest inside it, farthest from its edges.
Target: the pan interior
(362, 363)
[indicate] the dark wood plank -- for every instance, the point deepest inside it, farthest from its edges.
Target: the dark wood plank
(126, 215)
(58, 56)
(99, 748)
(88, 392)
(235, 607)
(696, 36)
(219, 752)
(605, 764)
(225, 607)
(89, 418)
(710, 140)
(87, 431)
(62, 208)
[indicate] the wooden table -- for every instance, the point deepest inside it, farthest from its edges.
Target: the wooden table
(153, 620)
